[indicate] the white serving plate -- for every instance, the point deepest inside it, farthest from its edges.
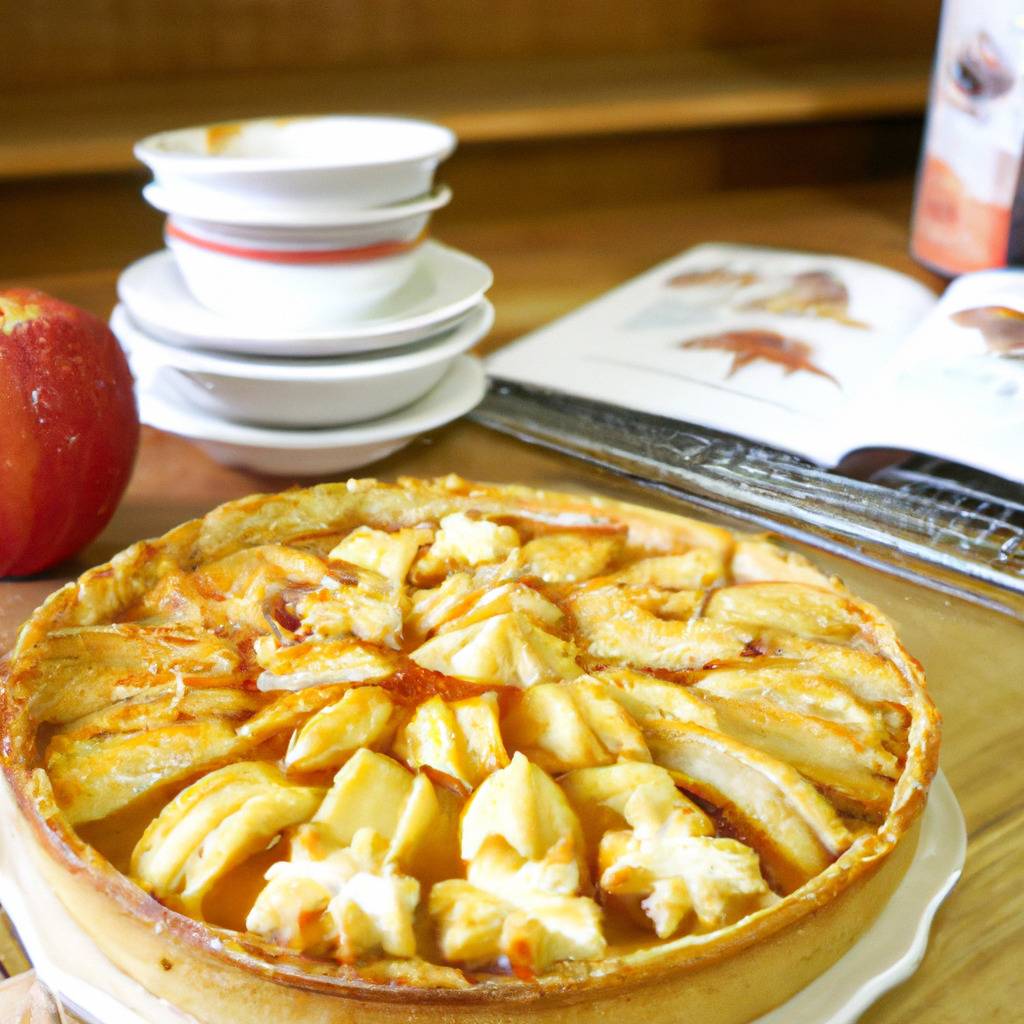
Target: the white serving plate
(889, 952)
(341, 160)
(297, 217)
(296, 392)
(445, 285)
(316, 452)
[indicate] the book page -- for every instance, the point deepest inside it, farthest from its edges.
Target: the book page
(956, 389)
(764, 343)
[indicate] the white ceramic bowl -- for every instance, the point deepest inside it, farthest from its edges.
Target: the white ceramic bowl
(296, 392)
(444, 287)
(278, 283)
(300, 453)
(287, 217)
(332, 161)
(325, 237)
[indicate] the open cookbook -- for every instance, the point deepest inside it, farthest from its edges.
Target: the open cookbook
(818, 355)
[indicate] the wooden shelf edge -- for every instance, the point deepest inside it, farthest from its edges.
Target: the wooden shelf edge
(92, 132)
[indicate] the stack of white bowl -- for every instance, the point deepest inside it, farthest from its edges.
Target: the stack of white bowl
(300, 321)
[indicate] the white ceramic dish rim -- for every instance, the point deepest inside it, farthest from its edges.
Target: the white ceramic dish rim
(448, 399)
(333, 252)
(238, 239)
(351, 241)
(297, 217)
(151, 153)
(884, 956)
(366, 331)
(311, 370)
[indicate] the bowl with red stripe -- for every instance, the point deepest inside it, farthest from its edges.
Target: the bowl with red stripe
(323, 279)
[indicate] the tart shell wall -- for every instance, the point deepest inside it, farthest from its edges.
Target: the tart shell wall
(223, 982)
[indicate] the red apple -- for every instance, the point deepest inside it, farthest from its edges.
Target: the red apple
(69, 429)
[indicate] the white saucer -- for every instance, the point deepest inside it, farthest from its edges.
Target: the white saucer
(315, 452)
(69, 962)
(445, 285)
(893, 947)
(301, 215)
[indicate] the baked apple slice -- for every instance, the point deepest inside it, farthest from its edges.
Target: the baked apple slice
(793, 827)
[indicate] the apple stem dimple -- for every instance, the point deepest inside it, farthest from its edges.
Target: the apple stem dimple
(13, 313)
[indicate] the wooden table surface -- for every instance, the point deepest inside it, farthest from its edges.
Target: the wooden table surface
(974, 658)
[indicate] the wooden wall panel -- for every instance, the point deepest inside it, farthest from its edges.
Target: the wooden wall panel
(81, 223)
(53, 42)
(91, 128)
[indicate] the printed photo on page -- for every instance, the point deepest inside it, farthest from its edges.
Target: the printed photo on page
(764, 343)
(819, 355)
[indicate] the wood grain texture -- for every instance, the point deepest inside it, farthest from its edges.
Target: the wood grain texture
(545, 265)
(91, 128)
(12, 957)
(106, 40)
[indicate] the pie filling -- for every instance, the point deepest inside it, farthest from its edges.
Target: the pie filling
(491, 744)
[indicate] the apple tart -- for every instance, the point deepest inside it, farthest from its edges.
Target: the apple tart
(441, 750)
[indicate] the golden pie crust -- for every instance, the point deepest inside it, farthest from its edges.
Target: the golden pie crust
(645, 767)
